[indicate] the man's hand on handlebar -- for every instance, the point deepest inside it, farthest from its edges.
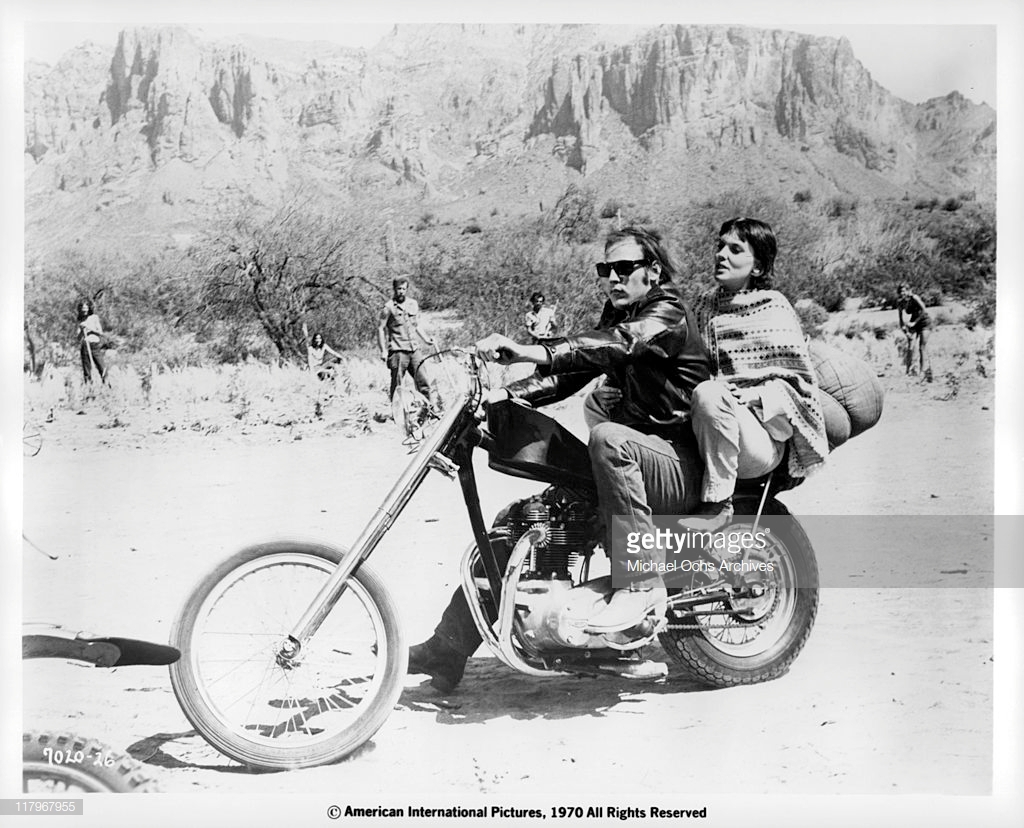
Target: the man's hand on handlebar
(501, 349)
(505, 351)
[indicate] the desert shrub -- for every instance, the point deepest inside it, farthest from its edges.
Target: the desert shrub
(471, 228)
(487, 279)
(574, 217)
(802, 196)
(693, 233)
(839, 206)
(984, 310)
(298, 265)
(812, 316)
(951, 205)
(140, 297)
(926, 203)
(610, 209)
(426, 221)
(856, 327)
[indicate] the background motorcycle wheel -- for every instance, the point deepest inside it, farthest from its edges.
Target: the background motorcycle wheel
(713, 658)
(272, 714)
(63, 763)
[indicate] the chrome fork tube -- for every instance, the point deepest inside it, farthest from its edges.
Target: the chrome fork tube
(379, 524)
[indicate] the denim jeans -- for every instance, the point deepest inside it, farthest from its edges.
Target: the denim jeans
(457, 627)
(639, 475)
(733, 442)
(403, 362)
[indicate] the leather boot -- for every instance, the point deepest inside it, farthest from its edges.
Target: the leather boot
(711, 517)
(437, 658)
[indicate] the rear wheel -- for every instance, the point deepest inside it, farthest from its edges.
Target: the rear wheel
(756, 634)
(56, 764)
(253, 701)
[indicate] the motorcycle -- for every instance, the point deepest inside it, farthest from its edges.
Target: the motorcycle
(293, 654)
(62, 763)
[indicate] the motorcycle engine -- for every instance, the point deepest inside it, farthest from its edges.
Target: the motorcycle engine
(570, 518)
(555, 595)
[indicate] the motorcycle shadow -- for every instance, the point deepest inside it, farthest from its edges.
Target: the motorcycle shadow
(492, 690)
(150, 751)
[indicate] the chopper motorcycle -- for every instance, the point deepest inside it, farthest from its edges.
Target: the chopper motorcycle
(292, 653)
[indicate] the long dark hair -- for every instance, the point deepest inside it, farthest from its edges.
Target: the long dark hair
(651, 243)
(763, 244)
(84, 309)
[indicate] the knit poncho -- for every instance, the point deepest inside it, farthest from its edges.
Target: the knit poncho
(756, 342)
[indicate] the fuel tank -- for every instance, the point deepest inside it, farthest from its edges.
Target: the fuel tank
(526, 443)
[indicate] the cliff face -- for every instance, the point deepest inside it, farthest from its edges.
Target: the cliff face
(731, 87)
(165, 118)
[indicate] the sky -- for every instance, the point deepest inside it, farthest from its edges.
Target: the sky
(913, 61)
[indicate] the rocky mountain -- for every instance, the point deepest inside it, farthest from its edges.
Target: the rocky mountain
(164, 130)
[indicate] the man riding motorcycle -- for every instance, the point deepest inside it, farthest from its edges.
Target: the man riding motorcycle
(643, 455)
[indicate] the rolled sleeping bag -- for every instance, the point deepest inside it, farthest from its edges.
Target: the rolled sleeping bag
(850, 393)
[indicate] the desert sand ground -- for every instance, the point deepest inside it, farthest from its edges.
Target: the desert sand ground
(892, 695)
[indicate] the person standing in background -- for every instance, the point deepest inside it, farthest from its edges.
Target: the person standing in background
(915, 328)
(397, 336)
(540, 319)
(92, 338)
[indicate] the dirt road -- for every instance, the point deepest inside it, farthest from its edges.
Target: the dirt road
(893, 693)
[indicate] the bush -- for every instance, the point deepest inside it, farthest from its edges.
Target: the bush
(471, 228)
(802, 196)
(610, 209)
(984, 310)
(812, 316)
(839, 206)
(951, 205)
(574, 216)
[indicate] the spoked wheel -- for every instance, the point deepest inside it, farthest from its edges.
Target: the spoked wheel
(255, 699)
(756, 635)
(56, 764)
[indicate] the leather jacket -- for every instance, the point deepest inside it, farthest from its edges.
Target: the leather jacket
(651, 350)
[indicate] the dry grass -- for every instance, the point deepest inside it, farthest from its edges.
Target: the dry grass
(213, 399)
(242, 398)
(960, 358)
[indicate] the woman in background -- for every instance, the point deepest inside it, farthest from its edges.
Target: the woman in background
(92, 338)
(316, 355)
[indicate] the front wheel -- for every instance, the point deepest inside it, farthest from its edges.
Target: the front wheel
(259, 704)
(756, 635)
(58, 764)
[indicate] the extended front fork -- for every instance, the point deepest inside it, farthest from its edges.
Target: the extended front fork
(456, 421)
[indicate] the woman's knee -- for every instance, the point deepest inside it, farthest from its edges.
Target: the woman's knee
(709, 397)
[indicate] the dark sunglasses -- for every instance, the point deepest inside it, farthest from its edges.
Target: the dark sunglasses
(622, 268)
